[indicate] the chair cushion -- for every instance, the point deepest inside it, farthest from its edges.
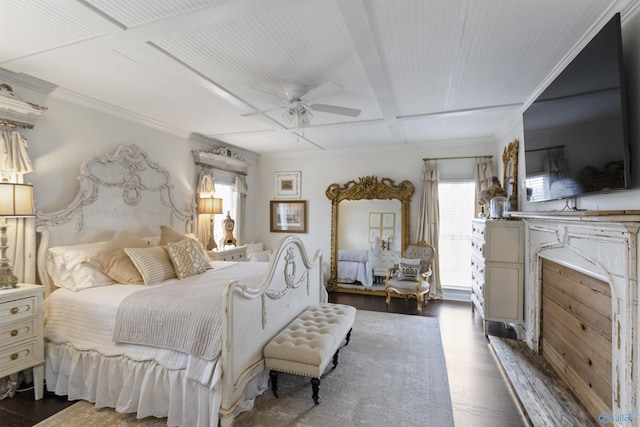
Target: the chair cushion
(409, 269)
(425, 253)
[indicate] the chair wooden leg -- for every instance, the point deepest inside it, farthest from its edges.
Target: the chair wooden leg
(388, 298)
(274, 382)
(315, 386)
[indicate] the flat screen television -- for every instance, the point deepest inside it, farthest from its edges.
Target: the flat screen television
(575, 133)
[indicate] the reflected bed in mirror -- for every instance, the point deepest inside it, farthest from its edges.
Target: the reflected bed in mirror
(369, 229)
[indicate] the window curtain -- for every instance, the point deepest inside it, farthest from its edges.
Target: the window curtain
(206, 188)
(429, 221)
(241, 190)
(482, 177)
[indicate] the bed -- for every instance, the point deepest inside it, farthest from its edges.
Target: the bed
(354, 267)
(188, 348)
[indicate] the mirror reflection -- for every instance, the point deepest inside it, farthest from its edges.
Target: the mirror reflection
(370, 228)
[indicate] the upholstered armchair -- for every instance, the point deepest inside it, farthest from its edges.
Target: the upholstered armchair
(410, 278)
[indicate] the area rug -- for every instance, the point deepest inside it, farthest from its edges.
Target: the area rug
(393, 372)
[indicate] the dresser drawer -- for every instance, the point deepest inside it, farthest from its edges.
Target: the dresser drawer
(477, 248)
(478, 230)
(18, 357)
(17, 331)
(17, 309)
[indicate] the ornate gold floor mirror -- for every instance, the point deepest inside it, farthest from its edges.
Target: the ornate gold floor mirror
(384, 197)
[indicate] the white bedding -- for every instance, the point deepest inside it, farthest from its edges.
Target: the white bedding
(353, 266)
(86, 319)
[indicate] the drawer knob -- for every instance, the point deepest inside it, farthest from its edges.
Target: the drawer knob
(14, 332)
(14, 356)
(14, 310)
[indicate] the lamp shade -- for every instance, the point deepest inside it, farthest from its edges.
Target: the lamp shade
(16, 200)
(210, 205)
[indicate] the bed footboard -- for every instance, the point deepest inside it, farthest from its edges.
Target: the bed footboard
(255, 315)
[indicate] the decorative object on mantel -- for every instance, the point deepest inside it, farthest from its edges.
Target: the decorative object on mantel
(287, 185)
(228, 239)
(15, 112)
(210, 206)
(16, 201)
(487, 196)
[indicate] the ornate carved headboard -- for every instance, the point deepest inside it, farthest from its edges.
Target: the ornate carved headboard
(118, 192)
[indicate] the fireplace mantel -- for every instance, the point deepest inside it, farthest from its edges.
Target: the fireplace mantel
(603, 244)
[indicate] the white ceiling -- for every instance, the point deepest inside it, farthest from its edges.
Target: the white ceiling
(420, 70)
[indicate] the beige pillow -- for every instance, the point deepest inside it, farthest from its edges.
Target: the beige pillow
(169, 235)
(188, 257)
(114, 262)
(153, 264)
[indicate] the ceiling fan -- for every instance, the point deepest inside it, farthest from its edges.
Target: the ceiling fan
(298, 110)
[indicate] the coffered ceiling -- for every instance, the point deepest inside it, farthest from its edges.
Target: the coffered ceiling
(418, 70)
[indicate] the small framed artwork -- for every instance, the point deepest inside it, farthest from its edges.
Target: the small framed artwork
(288, 216)
(287, 185)
(388, 220)
(374, 219)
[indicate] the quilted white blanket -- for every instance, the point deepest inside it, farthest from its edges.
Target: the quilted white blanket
(183, 315)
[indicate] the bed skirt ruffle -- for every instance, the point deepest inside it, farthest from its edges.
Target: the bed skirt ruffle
(143, 387)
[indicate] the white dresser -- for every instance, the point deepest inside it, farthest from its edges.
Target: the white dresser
(21, 333)
(497, 271)
(381, 261)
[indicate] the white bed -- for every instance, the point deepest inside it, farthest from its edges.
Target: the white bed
(126, 191)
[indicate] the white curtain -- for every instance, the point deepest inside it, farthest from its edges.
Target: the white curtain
(206, 188)
(429, 221)
(241, 190)
(14, 158)
(482, 176)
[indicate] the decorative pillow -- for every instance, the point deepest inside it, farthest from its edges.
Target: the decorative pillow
(169, 235)
(68, 267)
(188, 258)
(409, 269)
(114, 261)
(153, 264)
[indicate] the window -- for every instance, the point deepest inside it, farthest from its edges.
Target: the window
(457, 200)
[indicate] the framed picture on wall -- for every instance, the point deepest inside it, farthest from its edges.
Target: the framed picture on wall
(288, 216)
(287, 185)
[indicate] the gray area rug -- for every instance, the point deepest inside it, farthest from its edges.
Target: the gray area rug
(392, 373)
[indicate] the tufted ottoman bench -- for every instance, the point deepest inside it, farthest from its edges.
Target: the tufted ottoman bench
(309, 342)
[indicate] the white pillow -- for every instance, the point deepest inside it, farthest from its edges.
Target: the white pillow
(68, 267)
(261, 256)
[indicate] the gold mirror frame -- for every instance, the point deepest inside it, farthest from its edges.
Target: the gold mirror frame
(510, 173)
(367, 188)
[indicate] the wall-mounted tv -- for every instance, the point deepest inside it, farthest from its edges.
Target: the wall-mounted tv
(575, 133)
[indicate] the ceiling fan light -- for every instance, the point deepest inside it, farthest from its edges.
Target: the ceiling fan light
(289, 115)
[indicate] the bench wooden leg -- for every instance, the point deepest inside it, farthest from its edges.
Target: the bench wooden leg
(348, 336)
(273, 375)
(335, 359)
(315, 386)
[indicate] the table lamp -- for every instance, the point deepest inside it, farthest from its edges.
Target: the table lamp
(210, 206)
(16, 201)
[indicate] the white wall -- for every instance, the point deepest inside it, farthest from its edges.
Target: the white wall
(320, 169)
(69, 133)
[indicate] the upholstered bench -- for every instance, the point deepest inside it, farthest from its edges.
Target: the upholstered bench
(307, 345)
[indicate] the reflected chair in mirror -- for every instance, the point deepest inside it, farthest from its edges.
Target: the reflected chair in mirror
(411, 277)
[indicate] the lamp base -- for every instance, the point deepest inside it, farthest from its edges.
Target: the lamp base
(212, 244)
(7, 279)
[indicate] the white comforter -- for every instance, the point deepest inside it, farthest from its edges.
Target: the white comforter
(86, 319)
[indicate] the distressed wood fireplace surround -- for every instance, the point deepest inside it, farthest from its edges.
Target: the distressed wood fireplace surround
(604, 245)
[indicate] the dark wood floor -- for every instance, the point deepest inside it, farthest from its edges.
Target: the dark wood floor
(479, 391)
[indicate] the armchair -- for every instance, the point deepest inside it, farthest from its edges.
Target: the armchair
(410, 278)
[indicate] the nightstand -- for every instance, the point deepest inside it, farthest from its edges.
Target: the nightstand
(22, 334)
(238, 253)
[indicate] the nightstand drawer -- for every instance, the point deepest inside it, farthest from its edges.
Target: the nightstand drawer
(18, 357)
(15, 332)
(17, 309)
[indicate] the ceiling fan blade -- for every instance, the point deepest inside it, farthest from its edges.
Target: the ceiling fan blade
(254, 113)
(334, 109)
(319, 92)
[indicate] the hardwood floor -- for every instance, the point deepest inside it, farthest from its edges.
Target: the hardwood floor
(479, 392)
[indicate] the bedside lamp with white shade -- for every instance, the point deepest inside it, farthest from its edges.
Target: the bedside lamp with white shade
(16, 201)
(210, 206)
